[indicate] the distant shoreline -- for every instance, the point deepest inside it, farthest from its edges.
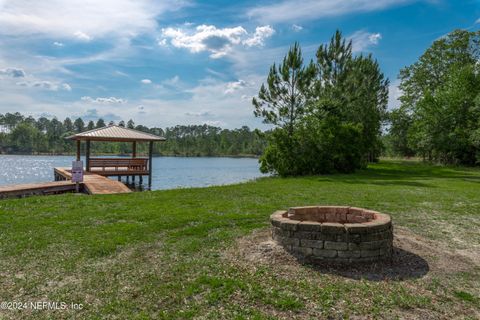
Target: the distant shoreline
(154, 155)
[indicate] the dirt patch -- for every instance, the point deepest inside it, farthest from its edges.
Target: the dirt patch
(413, 257)
(441, 258)
(419, 269)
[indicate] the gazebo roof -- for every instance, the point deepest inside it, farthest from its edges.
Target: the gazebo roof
(115, 133)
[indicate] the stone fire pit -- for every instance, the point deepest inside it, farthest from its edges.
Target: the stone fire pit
(331, 234)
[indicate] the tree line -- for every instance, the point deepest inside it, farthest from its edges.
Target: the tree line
(439, 115)
(27, 135)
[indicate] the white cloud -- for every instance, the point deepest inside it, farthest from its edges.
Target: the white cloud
(174, 81)
(106, 100)
(45, 84)
(216, 73)
(215, 123)
(200, 114)
(218, 41)
(296, 10)
(394, 93)
(94, 114)
(258, 38)
(206, 38)
(12, 77)
(58, 44)
(363, 40)
(48, 85)
(120, 73)
(146, 81)
(235, 86)
(297, 28)
(82, 36)
(82, 19)
(162, 42)
(477, 21)
(12, 72)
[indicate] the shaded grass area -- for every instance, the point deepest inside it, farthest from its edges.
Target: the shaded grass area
(160, 254)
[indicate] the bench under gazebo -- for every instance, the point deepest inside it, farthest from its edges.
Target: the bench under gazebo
(119, 167)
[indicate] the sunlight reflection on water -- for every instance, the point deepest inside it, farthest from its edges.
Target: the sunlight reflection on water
(168, 172)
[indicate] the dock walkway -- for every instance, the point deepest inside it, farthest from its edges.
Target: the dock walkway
(94, 183)
(31, 189)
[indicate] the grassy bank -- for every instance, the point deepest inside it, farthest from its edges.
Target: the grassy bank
(198, 252)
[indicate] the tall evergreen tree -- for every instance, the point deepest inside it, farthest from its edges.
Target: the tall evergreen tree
(68, 125)
(100, 123)
(282, 101)
(79, 125)
(353, 89)
(90, 125)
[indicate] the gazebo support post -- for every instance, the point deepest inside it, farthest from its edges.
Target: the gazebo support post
(150, 152)
(78, 150)
(87, 156)
(134, 155)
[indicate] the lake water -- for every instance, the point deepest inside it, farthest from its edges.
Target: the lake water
(168, 172)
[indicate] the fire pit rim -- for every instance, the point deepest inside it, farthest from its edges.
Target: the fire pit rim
(380, 219)
(332, 241)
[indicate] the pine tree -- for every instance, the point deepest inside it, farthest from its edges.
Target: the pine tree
(282, 101)
(91, 125)
(79, 125)
(100, 123)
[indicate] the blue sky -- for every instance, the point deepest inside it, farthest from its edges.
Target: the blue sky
(163, 63)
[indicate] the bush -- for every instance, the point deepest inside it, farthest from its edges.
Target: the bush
(318, 147)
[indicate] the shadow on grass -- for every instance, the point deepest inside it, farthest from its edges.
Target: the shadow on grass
(390, 183)
(403, 265)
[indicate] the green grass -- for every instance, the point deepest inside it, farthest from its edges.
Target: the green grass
(162, 254)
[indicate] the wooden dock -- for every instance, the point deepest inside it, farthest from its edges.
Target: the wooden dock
(94, 183)
(32, 189)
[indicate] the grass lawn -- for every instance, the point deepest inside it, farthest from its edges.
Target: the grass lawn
(197, 253)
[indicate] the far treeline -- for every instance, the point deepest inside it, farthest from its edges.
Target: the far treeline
(330, 115)
(26, 135)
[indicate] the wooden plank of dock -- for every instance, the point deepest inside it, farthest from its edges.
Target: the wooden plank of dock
(44, 188)
(96, 184)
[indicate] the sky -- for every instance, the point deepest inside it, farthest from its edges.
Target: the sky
(163, 63)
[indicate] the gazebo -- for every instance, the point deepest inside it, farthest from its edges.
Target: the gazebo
(118, 166)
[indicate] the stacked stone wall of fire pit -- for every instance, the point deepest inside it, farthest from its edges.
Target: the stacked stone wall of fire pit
(328, 234)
